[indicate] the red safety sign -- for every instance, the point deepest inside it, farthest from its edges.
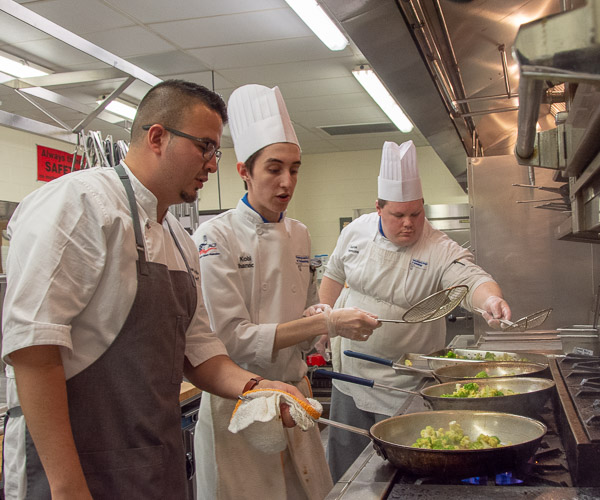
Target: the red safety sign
(52, 163)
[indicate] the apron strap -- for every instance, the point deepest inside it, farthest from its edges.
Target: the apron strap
(15, 412)
(187, 266)
(139, 239)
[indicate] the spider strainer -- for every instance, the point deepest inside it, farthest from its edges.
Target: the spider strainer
(525, 323)
(433, 307)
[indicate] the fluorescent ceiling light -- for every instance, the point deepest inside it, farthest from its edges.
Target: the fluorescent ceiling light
(372, 84)
(121, 109)
(18, 68)
(319, 22)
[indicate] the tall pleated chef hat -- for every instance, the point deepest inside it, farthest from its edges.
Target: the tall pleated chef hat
(398, 175)
(257, 118)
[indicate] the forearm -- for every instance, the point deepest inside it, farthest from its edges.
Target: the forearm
(219, 375)
(483, 291)
(42, 392)
(329, 291)
(299, 330)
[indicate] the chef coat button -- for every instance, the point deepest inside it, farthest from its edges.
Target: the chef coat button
(294, 288)
(264, 287)
(259, 231)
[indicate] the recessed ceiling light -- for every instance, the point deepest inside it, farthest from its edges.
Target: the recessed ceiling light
(373, 85)
(320, 23)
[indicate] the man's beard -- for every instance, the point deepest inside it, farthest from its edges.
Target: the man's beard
(188, 198)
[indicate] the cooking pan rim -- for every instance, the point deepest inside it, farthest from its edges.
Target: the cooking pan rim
(543, 381)
(541, 427)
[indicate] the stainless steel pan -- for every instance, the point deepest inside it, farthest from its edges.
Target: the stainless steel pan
(530, 398)
(393, 437)
(462, 371)
(438, 359)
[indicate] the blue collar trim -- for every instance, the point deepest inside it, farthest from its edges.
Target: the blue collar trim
(245, 200)
(381, 229)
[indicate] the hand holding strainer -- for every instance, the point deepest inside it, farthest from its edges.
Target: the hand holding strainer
(525, 323)
(433, 307)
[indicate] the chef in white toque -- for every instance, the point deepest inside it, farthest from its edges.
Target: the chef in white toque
(391, 259)
(258, 285)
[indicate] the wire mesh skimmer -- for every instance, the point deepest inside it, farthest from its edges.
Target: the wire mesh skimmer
(433, 307)
(525, 323)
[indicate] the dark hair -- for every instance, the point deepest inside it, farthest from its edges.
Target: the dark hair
(249, 164)
(166, 102)
(382, 203)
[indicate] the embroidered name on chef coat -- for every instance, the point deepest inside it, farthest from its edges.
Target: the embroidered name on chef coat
(245, 262)
(353, 249)
(302, 261)
(205, 248)
(418, 264)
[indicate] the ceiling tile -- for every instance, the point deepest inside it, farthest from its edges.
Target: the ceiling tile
(15, 31)
(231, 29)
(156, 12)
(256, 53)
(80, 17)
(130, 41)
(168, 63)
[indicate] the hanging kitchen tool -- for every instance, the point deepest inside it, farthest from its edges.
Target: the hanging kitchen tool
(393, 438)
(433, 307)
(464, 371)
(530, 394)
(525, 323)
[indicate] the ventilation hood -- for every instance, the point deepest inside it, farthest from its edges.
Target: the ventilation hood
(449, 64)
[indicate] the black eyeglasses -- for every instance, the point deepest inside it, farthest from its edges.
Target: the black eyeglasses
(208, 148)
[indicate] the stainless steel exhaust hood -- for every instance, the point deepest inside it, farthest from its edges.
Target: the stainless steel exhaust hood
(449, 65)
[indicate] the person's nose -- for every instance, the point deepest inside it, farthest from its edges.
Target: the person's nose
(286, 180)
(212, 165)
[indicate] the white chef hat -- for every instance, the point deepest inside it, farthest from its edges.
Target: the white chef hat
(398, 175)
(257, 118)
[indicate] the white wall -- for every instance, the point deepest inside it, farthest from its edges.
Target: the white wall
(18, 162)
(330, 185)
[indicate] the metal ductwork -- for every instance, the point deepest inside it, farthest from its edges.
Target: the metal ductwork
(379, 29)
(449, 64)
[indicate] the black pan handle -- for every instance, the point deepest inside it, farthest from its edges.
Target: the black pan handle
(345, 377)
(368, 357)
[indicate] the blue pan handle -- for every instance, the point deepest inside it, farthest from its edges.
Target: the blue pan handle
(345, 377)
(368, 357)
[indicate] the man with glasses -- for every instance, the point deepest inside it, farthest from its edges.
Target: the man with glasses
(104, 315)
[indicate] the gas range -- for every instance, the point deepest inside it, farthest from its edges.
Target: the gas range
(565, 465)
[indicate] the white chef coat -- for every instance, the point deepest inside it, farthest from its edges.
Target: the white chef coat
(255, 275)
(71, 279)
(387, 280)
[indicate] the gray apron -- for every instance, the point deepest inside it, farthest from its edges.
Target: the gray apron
(124, 408)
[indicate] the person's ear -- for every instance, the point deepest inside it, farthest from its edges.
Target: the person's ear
(243, 171)
(156, 138)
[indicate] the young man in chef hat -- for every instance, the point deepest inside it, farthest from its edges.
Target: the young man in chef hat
(257, 285)
(391, 259)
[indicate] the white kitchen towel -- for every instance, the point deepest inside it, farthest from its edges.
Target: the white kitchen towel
(258, 418)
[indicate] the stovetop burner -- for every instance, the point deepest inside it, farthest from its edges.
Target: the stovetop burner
(548, 467)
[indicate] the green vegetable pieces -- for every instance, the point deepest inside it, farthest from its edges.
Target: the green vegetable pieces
(453, 439)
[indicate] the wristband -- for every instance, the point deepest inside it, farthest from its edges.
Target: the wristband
(252, 383)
